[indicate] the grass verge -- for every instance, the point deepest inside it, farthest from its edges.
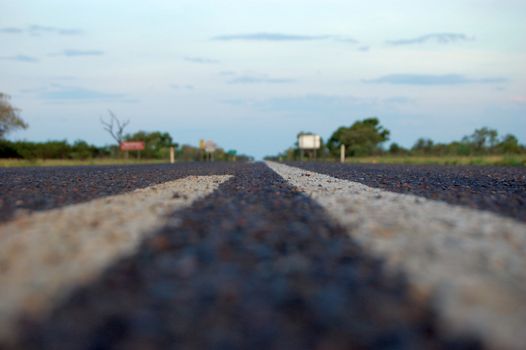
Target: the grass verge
(70, 162)
(499, 160)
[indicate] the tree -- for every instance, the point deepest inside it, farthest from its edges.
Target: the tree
(189, 153)
(396, 149)
(509, 144)
(362, 138)
(423, 146)
(115, 127)
(156, 144)
(482, 139)
(9, 117)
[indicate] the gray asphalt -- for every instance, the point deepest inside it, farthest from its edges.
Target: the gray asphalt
(498, 189)
(254, 265)
(43, 188)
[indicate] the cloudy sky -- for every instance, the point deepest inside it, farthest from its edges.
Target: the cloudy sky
(251, 74)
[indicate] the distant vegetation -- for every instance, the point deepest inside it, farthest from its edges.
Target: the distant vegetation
(51, 150)
(9, 117)
(365, 142)
(363, 138)
(157, 145)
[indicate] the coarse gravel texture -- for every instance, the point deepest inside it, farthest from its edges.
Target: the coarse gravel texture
(498, 189)
(472, 263)
(255, 265)
(44, 255)
(43, 188)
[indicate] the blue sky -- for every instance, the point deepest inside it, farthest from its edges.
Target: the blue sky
(251, 74)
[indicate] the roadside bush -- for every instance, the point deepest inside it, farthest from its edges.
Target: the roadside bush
(7, 150)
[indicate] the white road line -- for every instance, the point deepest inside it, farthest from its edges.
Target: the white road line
(471, 263)
(44, 255)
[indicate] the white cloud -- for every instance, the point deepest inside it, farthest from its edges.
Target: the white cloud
(438, 38)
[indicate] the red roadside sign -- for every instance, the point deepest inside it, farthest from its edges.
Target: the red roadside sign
(132, 146)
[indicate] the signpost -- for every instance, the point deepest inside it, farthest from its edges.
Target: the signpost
(132, 146)
(127, 146)
(202, 144)
(309, 142)
(172, 154)
(210, 148)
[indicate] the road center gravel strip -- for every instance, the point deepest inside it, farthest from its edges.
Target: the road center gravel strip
(254, 265)
(44, 255)
(471, 263)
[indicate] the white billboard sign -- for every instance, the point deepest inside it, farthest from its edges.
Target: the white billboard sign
(309, 141)
(210, 146)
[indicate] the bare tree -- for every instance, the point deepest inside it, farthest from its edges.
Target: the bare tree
(115, 127)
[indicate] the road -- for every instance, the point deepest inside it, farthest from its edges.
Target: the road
(255, 255)
(497, 189)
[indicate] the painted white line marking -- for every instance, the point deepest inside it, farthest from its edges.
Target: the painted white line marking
(471, 263)
(44, 255)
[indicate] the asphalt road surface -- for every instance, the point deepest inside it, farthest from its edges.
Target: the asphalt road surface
(51, 187)
(255, 255)
(498, 189)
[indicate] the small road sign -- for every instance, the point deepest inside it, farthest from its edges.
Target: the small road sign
(309, 141)
(210, 146)
(132, 146)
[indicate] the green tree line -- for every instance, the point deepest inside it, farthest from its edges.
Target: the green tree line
(368, 137)
(157, 146)
(483, 141)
